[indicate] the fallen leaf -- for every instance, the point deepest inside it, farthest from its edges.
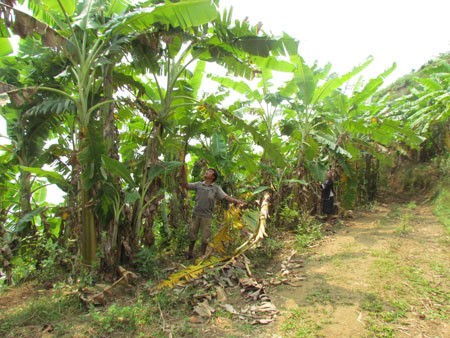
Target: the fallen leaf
(195, 320)
(262, 321)
(229, 308)
(220, 294)
(204, 310)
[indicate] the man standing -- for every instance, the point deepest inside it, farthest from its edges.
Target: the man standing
(207, 192)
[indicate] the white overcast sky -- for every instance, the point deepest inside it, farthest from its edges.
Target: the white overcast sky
(346, 32)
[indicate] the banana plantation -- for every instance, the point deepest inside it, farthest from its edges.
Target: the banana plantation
(117, 103)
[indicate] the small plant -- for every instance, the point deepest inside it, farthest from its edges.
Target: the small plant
(309, 230)
(405, 224)
(146, 262)
(412, 205)
(271, 246)
(289, 216)
(378, 329)
(320, 295)
(180, 239)
(124, 319)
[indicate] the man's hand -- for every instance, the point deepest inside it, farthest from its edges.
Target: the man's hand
(235, 201)
(241, 203)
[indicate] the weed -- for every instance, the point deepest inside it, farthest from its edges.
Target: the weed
(146, 262)
(395, 212)
(308, 231)
(271, 246)
(411, 205)
(405, 224)
(386, 265)
(121, 318)
(441, 269)
(380, 330)
(289, 216)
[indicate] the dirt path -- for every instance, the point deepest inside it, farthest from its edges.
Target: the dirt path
(384, 273)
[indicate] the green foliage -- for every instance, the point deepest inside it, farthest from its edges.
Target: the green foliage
(146, 262)
(412, 205)
(289, 216)
(179, 239)
(372, 303)
(308, 230)
(267, 250)
(441, 209)
(124, 319)
(405, 223)
(42, 258)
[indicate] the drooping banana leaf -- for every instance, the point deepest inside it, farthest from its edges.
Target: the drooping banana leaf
(223, 237)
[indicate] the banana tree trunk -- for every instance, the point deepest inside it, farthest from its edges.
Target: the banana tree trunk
(5, 250)
(89, 241)
(154, 195)
(179, 213)
(25, 201)
(371, 176)
(145, 209)
(111, 241)
(86, 203)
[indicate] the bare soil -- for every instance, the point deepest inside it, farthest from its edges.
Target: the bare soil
(383, 273)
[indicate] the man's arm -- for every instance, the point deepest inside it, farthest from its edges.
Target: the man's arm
(234, 200)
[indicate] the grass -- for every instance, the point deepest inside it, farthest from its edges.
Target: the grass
(320, 295)
(441, 209)
(301, 324)
(39, 312)
(404, 286)
(142, 317)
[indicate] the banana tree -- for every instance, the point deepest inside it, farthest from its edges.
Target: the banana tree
(91, 36)
(28, 126)
(425, 108)
(263, 108)
(309, 124)
(168, 96)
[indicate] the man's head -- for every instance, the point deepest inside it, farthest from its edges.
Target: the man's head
(330, 173)
(211, 174)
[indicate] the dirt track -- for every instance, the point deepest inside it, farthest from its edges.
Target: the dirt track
(383, 273)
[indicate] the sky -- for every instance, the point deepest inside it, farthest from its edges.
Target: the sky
(346, 32)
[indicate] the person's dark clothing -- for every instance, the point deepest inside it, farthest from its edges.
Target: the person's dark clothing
(328, 197)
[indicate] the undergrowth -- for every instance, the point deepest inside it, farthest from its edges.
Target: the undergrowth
(441, 207)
